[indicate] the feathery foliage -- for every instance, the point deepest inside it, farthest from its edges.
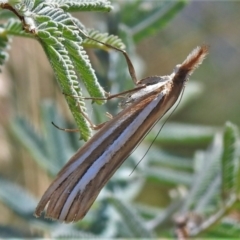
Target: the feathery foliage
(60, 35)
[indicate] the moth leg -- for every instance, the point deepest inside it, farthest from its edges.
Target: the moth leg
(109, 115)
(131, 69)
(92, 125)
(108, 95)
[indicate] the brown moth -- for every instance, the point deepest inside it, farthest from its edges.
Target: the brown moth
(78, 184)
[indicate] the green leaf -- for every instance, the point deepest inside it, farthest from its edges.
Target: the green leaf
(209, 222)
(61, 41)
(168, 176)
(16, 197)
(60, 38)
(131, 219)
(33, 143)
(227, 228)
(58, 145)
(86, 5)
(83, 68)
(208, 169)
(162, 158)
(4, 44)
(52, 148)
(165, 216)
(103, 37)
(183, 134)
(208, 201)
(11, 27)
(14, 27)
(230, 161)
(62, 65)
(7, 232)
(162, 12)
(23, 204)
(7, 15)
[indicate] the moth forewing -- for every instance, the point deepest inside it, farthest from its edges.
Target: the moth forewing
(77, 185)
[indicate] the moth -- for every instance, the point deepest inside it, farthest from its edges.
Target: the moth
(78, 184)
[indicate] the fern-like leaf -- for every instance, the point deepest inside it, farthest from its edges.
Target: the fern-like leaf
(72, 234)
(103, 37)
(183, 134)
(58, 145)
(61, 40)
(33, 143)
(228, 228)
(4, 44)
(51, 148)
(209, 169)
(86, 5)
(161, 158)
(148, 21)
(131, 219)
(208, 201)
(64, 74)
(15, 197)
(23, 204)
(168, 176)
(230, 160)
(14, 27)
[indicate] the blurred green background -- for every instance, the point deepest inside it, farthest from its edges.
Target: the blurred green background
(215, 23)
(28, 79)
